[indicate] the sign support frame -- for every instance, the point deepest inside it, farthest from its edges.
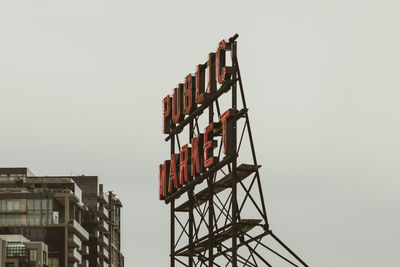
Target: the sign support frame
(214, 245)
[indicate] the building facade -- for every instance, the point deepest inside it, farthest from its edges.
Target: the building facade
(103, 222)
(16, 250)
(70, 216)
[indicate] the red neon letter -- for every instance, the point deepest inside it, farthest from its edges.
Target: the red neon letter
(184, 165)
(195, 167)
(188, 100)
(200, 82)
(163, 178)
(208, 146)
(167, 114)
(173, 174)
(221, 69)
(177, 107)
(161, 182)
(223, 119)
(212, 85)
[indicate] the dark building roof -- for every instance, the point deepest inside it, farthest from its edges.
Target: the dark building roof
(19, 170)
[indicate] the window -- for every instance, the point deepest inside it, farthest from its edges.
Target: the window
(17, 219)
(30, 204)
(44, 218)
(3, 205)
(36, 204)
(10, 219)
(44, 204)
(23, 219)
(16, 250)
(50, 207)
(9, 205)
(33, 255)
(17, 205)
(30, 219)
(36, 219)
(55, 216)
(53, 262)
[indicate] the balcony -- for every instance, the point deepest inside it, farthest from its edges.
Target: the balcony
(102, 198)
(74, 256)
(79, 230)
(74, 241)
(106, 256)
(102, 212)
(84, 250)
(103, 226)
(105, 253)
(23, 221)
(59, 194)
(103, 241)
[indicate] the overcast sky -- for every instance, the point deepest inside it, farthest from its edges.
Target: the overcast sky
(81, 84)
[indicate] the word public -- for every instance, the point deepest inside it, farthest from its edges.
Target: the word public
(193, 160)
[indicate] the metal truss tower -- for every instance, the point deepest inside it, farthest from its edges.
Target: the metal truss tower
(219, 218)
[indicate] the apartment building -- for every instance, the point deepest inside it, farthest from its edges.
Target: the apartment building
(103, 222)
(16, 250)
(70, 214)
(44, 209)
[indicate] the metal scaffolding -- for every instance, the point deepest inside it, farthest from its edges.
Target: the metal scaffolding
(219, 218)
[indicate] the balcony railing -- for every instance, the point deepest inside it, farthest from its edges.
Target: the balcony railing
(84, 250)
(54, 222)
(73, 255)
(103, 226)
(104, 241)
(74, 241)
(79, 230)
(103, 198)
(102, 212)
(105, 253)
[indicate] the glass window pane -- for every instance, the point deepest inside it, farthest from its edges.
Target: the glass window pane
(11, 219)
(50, 204)
(23, 219)
(18, 219)
(17, 205)
(9, 205)
(55, 217)
(30, 204)
(37, 204)
(44, 216)
(36, 218)
(44, 220)
(44, 204)
(31, 221)
(32, 255)
(54, 262)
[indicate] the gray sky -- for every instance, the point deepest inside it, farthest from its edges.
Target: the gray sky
(81, 84)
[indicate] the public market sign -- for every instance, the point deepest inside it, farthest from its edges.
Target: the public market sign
(188, 101)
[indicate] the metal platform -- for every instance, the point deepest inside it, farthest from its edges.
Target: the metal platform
(243, 171)
(219, 236)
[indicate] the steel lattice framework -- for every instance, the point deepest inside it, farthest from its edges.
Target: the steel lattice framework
(219, 218)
